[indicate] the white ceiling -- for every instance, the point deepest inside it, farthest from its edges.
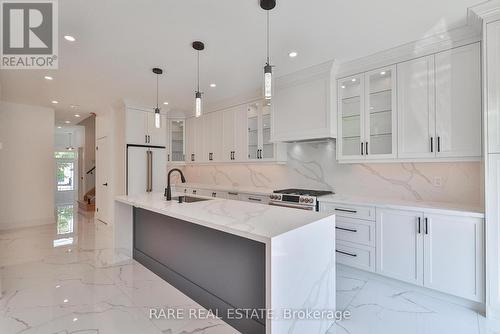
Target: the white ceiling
(118, 42)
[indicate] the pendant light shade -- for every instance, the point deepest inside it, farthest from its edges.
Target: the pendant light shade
(158, 72)
(267, 5)
(198, 46)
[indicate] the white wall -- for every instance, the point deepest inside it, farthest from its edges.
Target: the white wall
(27, 176)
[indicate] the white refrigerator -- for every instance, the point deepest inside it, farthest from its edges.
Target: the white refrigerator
(146, 169)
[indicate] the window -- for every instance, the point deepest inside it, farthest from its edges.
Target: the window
(65, 175)
(65, 219)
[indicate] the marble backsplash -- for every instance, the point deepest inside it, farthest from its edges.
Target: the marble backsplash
(313, 166)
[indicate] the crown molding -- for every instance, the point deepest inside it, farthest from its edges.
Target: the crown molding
(487, 11)
(468, 34)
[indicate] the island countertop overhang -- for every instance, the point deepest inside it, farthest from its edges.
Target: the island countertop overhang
(255, 221)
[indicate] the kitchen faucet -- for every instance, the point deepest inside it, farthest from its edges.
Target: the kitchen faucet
(168, 189)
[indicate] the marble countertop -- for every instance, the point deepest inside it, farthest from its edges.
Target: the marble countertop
(251, 220)
(244, 190)
(430, 207)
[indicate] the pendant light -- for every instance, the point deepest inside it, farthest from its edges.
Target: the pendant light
(158, 72)
(198, 46)
(70, 147)
(267, 5)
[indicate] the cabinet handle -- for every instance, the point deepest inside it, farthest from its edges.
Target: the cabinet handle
(346, 210)
(234, 194)
(192, 156)
(418, 225)
(426, 221)
(346, 229)
(254, 199)
(432, 144)
(168, 157)
(346, 253)
(234, 155)
(439, 144)
(214, 194)
(366, 148)
(362, 149)
(146, 139)
(194, 192)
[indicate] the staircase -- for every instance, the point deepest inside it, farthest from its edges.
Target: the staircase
(88, 203)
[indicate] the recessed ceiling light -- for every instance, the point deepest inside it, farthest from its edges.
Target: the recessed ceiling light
(74, 106)
(65, 301)
(75, 319)
(47, 77)
(55, 102)
(59, 127)
(165, 103)
(69, 38)
(382, 73)
(67, 122)
(353, 79)
(213, 85)
(77, 115)
(293, 54)
(343, 86)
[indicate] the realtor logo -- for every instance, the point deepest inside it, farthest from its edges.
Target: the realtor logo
(29, 34)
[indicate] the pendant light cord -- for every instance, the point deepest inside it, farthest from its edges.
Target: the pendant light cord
(198, 75)
(268, 37)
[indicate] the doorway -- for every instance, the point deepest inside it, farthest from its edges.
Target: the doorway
(66, 165)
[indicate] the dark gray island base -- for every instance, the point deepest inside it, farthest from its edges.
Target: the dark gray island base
(218, 270)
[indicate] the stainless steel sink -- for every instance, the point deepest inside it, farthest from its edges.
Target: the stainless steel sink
(189, 199)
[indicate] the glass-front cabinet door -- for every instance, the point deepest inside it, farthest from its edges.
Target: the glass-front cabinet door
(267, 149)
(253, 131)
(351, 118)
(380, 108)
(176, 141)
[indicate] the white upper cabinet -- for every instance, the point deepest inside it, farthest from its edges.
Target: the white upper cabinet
(212, 137)
(194, 140)
(381, 114)
(234, 134)
(458, 102)
(493, 83)
(140, 128)
(351, 118)
(421, 109)
(416, 108)
(176, 140)
(302, 105)
(367, 116)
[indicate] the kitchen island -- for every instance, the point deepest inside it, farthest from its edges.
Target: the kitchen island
(233, 256)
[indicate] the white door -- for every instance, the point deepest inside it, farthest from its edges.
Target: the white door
(157, 136)
(381, 114)
(104, 200)
(136, 127)
(351, 133)
(159, 169)
(453, 255)
(458, 102)
(399, 245)
(137, 170)
(493, 79)
(416, 108)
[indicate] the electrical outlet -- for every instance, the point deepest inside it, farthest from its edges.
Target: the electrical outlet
(437, 181)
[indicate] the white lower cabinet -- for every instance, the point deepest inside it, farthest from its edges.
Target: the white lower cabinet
(453, 255)
(355, 255)
(442, 252)
(400, 245)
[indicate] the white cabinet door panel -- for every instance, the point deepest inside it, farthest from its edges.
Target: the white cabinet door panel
(199, 130)
(240, 134)
(399, 245)
(136, 127)
(228, 133)
(157, 136)
(453, 255)
(493, 79)
(416, 108)
(190, 139)
(351, 118)
(159, 169)
(458, 102)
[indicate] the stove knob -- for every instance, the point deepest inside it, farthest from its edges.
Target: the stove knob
(311, 200)
(272, 196)
(301, 200)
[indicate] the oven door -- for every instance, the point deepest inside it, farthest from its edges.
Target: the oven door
(294, 206)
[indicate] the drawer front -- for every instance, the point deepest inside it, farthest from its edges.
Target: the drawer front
(355, 230)
(349, 211)
(361, 257)
(254, 198)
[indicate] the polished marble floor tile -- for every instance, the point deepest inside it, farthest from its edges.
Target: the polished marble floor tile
(67, 278)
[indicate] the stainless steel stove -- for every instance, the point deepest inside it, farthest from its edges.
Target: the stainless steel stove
(297, 198)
